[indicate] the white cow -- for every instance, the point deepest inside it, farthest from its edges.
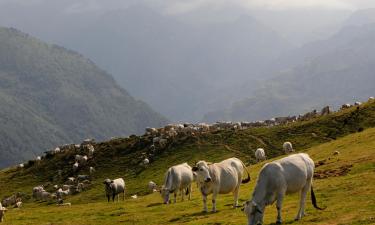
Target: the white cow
(152, 186)
(288, 175)
(91, 150)
(288, 147)
(114, 187)
(371, 98)
(177, 178)
(220, 178)
(260, 154)
(146, 161)
(82, 159)
(357, 103)
(75, 166)
(92, 170)
(2, 212)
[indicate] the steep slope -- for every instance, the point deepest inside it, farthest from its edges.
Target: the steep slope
(50, 95)
(330, 71)
(346, 178)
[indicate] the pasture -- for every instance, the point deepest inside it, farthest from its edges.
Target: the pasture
(345, 186)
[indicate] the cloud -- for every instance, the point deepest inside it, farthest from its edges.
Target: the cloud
(184, 6)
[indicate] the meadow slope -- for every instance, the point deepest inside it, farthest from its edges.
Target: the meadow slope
(345, 185)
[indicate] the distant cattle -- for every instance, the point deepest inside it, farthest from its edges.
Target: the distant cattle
(325, 111)
(91, 150)
(346, 106)
(260, 154)
(288, 147)
(177, 179)
(220, 178)
(114, 188)
(152, 186)
(291, 174)
(91, 170)
(75, 166)
(146, 161)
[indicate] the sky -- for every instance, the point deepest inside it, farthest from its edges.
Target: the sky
(185, 6)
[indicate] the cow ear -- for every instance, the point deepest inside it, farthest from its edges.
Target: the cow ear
(195, 169)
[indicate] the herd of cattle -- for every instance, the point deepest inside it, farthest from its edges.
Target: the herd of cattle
(291, 174)
(294, 172)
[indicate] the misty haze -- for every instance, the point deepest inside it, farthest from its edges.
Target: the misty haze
(91, 91)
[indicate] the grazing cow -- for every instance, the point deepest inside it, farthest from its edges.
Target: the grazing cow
(288, 147)
(177, 178)
(260, 155)
(21, 165)
(91, 150)
(2, 212)
(325, 111)
(358, 103)
(134, 196)
(82, 159)
(220, 178)
(346, 106)
(71, 180)
(75, 166)
(288, 175)
(114, 187)
(18, 204)
(83, 177)
(43, 195)
(152, 186)
(36, 190)
(92, 170)
(9, 201)
(146, 161)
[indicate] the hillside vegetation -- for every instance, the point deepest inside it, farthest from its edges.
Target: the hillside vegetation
(346, 179)
(52, 96)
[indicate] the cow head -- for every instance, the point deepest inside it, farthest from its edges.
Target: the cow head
(202, 171)
(254, 213)
(164, 193)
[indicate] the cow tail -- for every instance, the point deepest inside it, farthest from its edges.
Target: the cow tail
(313, 199)
(248, 174)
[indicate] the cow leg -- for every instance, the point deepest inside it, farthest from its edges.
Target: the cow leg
(123, 197)
(189, 188)
(108, 197)
(182, 194)
(235, 194)
(205, 203)
(175, 196)
(214, 194)
(118, 197)
(279, 204)
(301, 211)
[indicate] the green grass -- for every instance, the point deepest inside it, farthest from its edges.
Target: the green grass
(350, 198)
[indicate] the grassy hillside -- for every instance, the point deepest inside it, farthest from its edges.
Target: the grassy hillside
(51, 96)
(345, 180)
(121, 158)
